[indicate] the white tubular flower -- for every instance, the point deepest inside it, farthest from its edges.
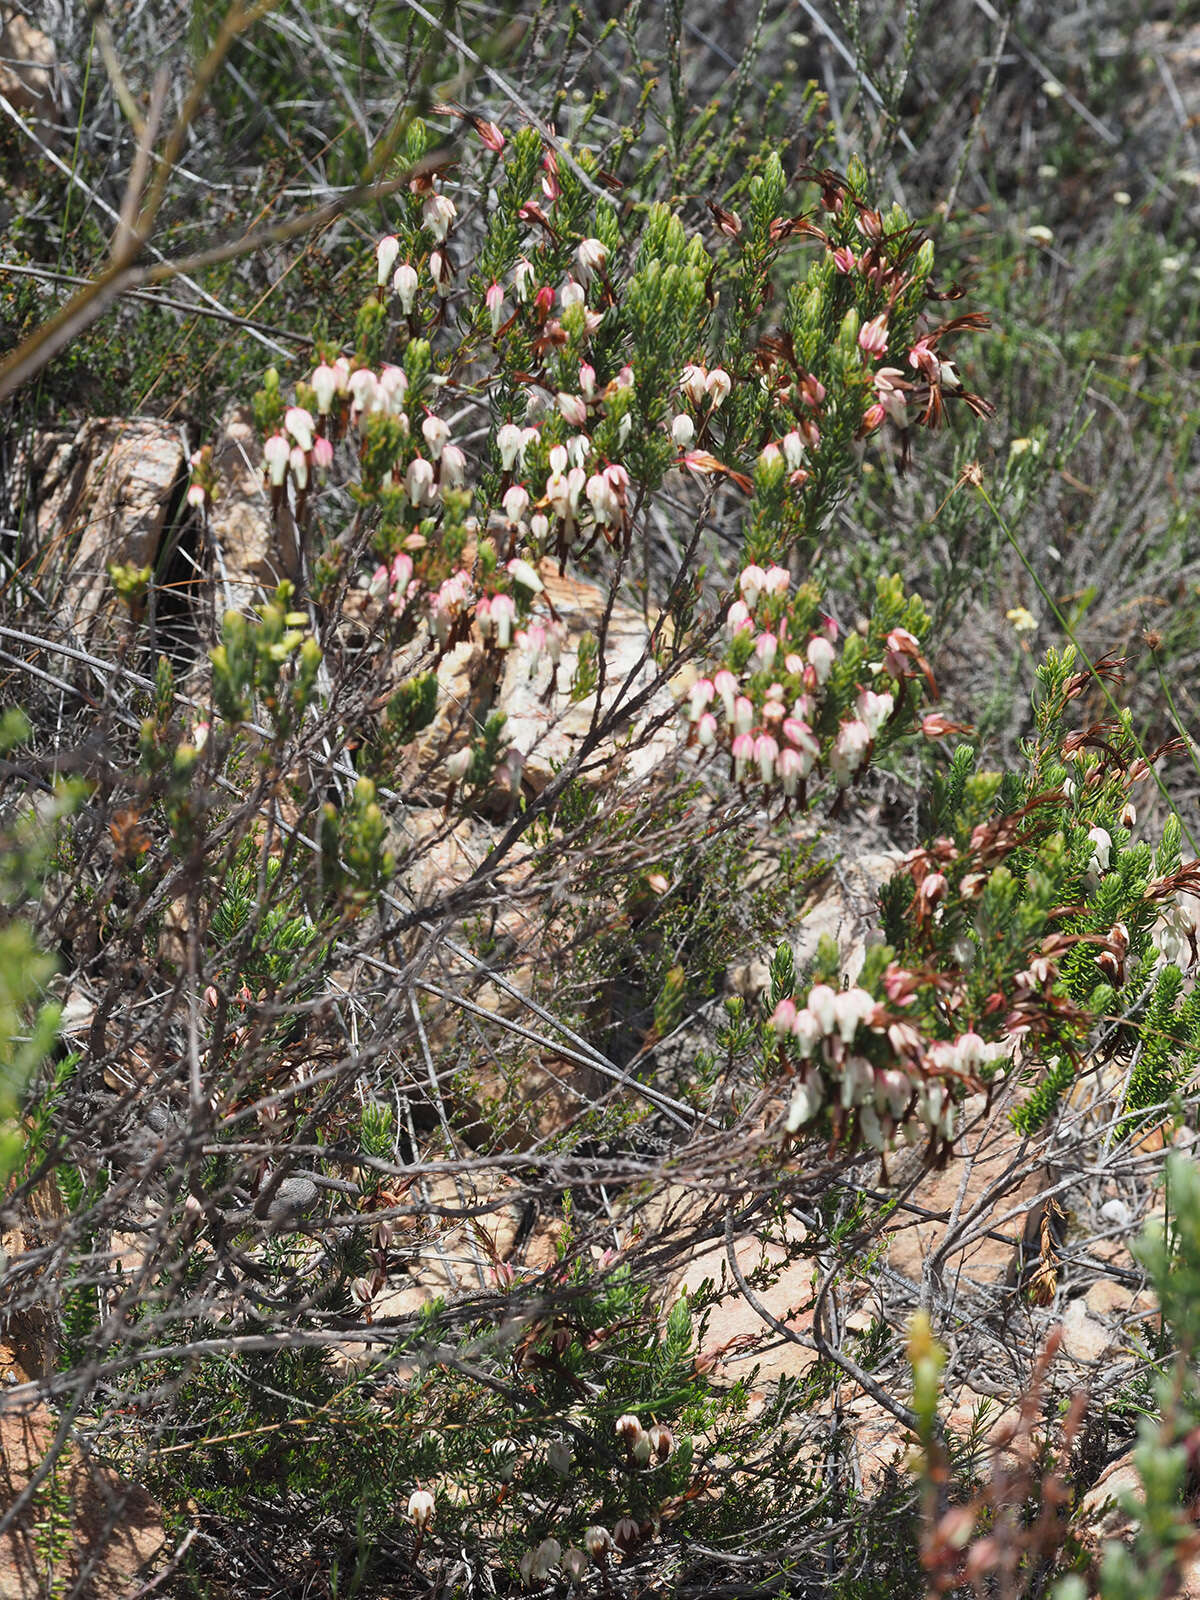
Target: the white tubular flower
(683, 431)
(1102, 849)
(404, 283)
(299, 424)
(571, 294)
(821, 656)
(276, 452)
(850, 1007)
(807, 1031)
(559, 1456)
(525, 574)
(453, 467)
(298, 462)
(418, 482)
(324, 382)
(874, 709)
(393, 384)
(386, 252)
(793, 450)
(807, 1099)
(821, 1006)
(436, 434)
(597, 1541)
(718, 386)
(420, 1508)
(508, 442)
(362, 385)
(437, 214)
(515, 501)
(439, 271)
(524, 277)
(457, 767)
(752, 581)
(691, 381)
(575, 1563)
(849, 750)
(858, 1081)
(590, 257)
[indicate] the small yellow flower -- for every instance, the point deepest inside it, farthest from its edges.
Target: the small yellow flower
(1023, 621)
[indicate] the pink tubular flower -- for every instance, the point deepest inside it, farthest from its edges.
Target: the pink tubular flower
(752, 581)
(504, 614)
(322, 454)
(742, 750)
(298, 462)
(738, 617)
(726, 684)
(805, 742)
(700, 697)
(776, 580)
(766, 753)
(872, 336)
(843, 259)
(783, 1018)
(706, 729)
(821, 656)
(765, 648)
(849, 750)
(791, 770)
(933, 888)
(573, 409)
(743, 714)
(494, 301)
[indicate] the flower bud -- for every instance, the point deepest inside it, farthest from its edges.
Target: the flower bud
(386, 252)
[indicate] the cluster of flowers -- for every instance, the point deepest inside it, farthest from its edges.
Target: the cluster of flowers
(889, 261)
(778, 720)
(852, 1053)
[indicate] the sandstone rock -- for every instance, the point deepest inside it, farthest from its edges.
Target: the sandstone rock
(29, 72)
(986, 1260)
(105, 492)
(115, 1528)
(542, 721)
(1085, 1338)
